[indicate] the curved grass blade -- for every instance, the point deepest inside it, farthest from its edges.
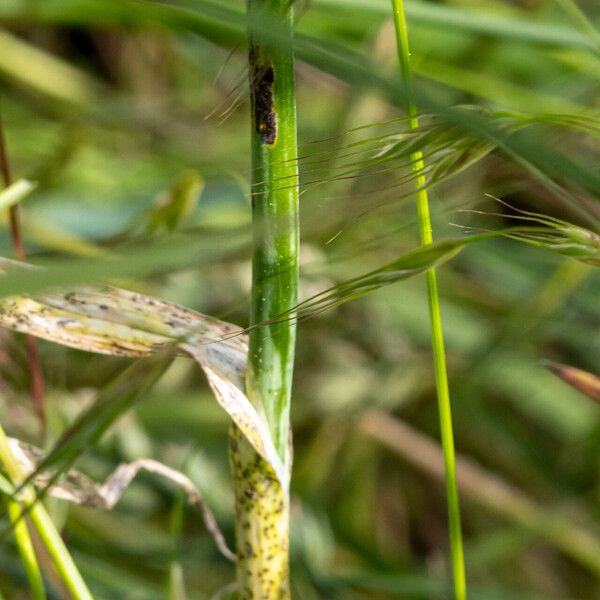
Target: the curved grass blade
(114, 400)
(139, 260)
(581, 21)
(551, 233)
(43, 523)
(76, 487)
(227, 24)
(24, 545)
(484, 22)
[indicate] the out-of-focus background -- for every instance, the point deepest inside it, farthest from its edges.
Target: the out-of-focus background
(132, 117)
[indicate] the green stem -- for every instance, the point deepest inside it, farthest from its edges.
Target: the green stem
(437, 335)
(43, 523)
(26, 551)
(262, 503)
(274, 213)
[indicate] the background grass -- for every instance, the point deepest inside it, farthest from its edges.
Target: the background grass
(106, 110)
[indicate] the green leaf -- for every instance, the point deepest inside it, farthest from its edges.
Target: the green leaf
(480, 21)
(46, 73)
(140, 260)
(16, 192)
(410, 264)
(119, 396)
(172, 207)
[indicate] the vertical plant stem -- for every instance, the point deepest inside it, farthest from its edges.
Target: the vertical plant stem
(26, 551)
(23, 539)
(43, 523)
(176, 582)
(437, 335)
(35, 367)
(262, 503)
(274, 212)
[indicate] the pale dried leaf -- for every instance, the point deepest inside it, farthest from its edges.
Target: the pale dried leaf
(118, 322)
(76, 487)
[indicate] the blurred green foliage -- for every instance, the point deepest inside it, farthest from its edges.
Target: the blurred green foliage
(109, 106)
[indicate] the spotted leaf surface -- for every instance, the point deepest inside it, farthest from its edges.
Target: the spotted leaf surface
(113, 321)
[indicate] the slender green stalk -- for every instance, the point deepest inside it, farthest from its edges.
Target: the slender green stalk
(262, 503)
(275, 214)
(43, 523)
(26, 551)
(437, 335)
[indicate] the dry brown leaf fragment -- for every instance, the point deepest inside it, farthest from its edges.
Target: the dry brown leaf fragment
(583, 381)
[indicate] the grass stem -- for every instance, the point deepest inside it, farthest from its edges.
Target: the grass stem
(437, 334)
(45, 527)
(35, 367)
(262, 502)
(26, 551)
(275, 214)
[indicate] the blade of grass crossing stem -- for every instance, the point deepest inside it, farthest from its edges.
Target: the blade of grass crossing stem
(45, 527)
(437, 336)
(262, 504)
(119, 396)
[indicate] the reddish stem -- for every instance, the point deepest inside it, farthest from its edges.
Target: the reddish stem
(35, 367)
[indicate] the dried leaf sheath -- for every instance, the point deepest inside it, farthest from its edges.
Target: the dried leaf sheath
(118, 322)
(261, 527)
